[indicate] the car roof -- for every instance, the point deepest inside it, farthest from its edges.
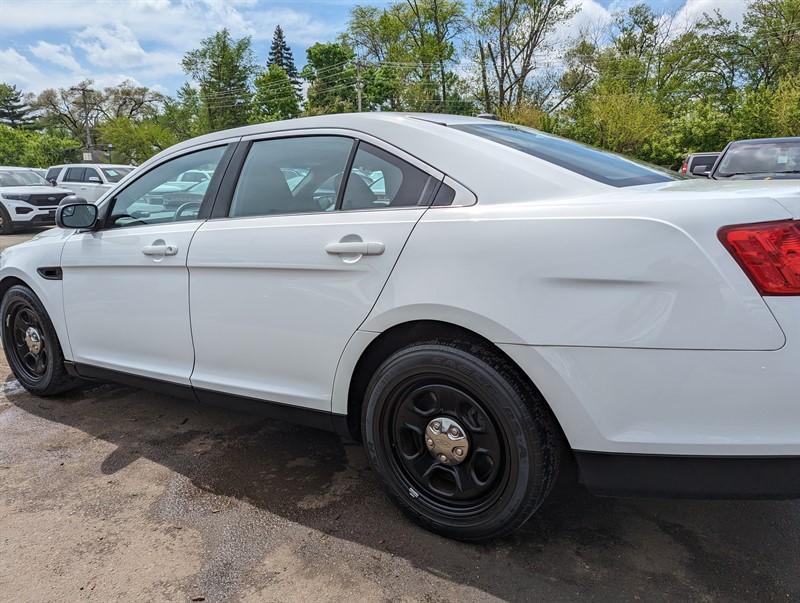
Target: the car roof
(704, 153)
(767, 140)
(16, 167)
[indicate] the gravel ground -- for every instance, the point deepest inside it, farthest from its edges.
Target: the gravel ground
(113, 493)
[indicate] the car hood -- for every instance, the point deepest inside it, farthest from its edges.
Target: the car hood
(785, 192)
(35, 190)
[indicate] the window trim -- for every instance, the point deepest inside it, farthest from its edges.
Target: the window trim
(230, 146)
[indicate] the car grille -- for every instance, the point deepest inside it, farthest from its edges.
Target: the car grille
(46, 200)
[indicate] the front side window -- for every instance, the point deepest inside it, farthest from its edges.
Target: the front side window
(158, 196)
(587, 161)
(52, 173)
(291, 175)
(91, 173)
(379, 180)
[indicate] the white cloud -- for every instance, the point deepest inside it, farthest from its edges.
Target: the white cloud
(111, 46)
(693, 10)
(16, 69)
(58, 54)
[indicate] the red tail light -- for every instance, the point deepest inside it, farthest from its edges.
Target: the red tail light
(684, 167)
(769, 253)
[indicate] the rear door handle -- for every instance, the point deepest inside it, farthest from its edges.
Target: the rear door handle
(160, 250)
(355, 248)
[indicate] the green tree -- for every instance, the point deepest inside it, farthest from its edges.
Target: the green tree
(35, 148)
(135, 141)
(274, 97)
(223, 67)
(331, 75)
(184, 115)
(281, 55)
(14, 111)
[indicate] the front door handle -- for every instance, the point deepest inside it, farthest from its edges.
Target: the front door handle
(160, 249)
(355, 248)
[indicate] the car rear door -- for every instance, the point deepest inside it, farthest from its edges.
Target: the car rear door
(291, 262)
(126, 286)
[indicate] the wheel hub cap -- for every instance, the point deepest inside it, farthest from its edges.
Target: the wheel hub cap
(447, 441)
(33, 340)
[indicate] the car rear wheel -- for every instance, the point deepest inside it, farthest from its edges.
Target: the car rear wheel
(31, 345)
(6, 226)
(463, 445)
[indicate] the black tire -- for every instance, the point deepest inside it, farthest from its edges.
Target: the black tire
(493, 490)
(42, 373)
(6, 225)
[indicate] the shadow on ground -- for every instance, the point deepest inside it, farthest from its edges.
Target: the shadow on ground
(577, 546)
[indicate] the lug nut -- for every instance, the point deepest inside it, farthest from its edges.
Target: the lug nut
(454, 431)
(430, 443)
(459, 451)
(442, 458)
(437, 426)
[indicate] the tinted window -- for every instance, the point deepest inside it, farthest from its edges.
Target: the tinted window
(291, 175)
(379, 179)
(52, 173)
(707, 161)
(754, 158)
(154, 198)
(89, 173)
(115, 174)
(444, 196)
(74, 174)
(584, 160)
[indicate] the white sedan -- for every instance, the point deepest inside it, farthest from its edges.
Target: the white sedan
(481, 304)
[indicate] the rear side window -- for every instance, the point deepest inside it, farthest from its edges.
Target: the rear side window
(74, 174)
(587, 161)
(52, 173)
(291, 175)
(89, 173)
(378, 180)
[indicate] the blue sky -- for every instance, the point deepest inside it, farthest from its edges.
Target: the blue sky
(56, 43)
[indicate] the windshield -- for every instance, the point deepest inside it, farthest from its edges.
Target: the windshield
(21, 178)
(579, 158)
(115, 174)
(765, 158)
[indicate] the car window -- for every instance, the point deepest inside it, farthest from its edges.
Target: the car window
(154, 197)
(760, 158)
(291, 175)
(707, 161)
(21, 178)
(115, 174)
(52, 173)
(587, 161)
(88, 173)
(379, 180)
(74, 174)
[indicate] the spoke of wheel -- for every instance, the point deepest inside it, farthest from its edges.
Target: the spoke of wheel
(464, 479)
(422, 465)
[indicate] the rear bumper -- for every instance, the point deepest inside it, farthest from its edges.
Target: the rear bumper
(723, 477)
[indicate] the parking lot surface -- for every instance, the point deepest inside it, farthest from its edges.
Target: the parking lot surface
(114, 493)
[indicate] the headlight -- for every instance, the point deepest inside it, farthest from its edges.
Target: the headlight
(16, 196)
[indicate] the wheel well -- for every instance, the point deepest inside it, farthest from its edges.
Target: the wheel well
(9, 282)
(400, 336)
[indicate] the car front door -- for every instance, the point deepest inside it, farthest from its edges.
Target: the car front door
(292, 261)
(126, 286)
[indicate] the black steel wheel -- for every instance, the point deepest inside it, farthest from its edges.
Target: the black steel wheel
(31, 344)
(464, 445)
(6, 226)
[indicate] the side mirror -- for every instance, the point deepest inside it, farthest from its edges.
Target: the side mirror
(95, 179)
(701, 170)
(52, 181)
(75, 212)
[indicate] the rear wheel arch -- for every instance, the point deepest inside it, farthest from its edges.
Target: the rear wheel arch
(407, 333)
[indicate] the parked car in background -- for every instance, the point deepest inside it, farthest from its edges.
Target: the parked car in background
(759, 159)
(26, 199)
(39, 171)
(480, 303)
(88, 180)
(698, 165)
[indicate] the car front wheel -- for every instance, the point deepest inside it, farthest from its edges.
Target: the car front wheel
(464, 446)
(31, 345)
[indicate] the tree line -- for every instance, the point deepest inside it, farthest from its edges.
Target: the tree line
(644, 84)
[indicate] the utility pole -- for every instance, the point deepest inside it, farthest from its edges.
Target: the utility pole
(84, 90)
(359, 84)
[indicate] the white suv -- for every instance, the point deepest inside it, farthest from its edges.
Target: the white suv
(88, 180)
(26, 199)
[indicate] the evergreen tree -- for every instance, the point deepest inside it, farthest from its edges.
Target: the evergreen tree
(274, 97)
(14, 111)
(281, 55)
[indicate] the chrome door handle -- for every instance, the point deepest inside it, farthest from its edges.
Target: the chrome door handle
(355, 248)
(160, 250)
